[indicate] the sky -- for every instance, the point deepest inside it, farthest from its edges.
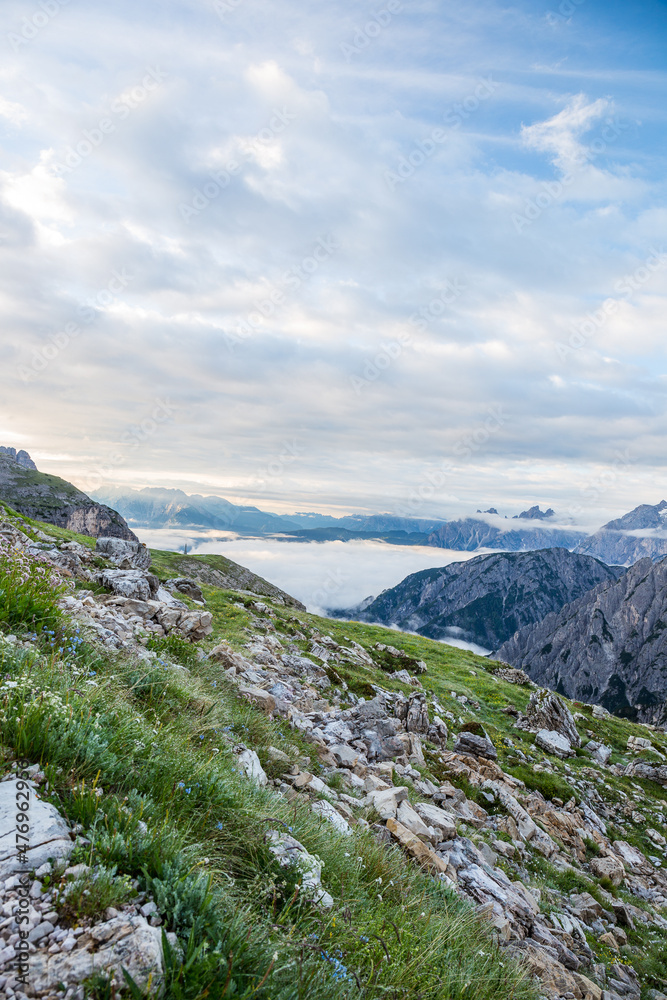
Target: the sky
(398, 256)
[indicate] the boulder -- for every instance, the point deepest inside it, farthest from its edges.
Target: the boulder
(630, 856)
(610, 868)
(49, 833)
(554, 743)
(648, 772)
(419, 851)
(288, 851)
(437, 818)
(331, 814)
(598, 751)
(417, 720)
(406, 815)
(475, 745)
(385, 802)
(639, 743)
(344, 755)
(546, 711)
(299, 664)
(229, 658)
(186, 586)
(513, 675)
(124, 554)
(437, 731)
(129, 583)
(257, 696)
(251, 766)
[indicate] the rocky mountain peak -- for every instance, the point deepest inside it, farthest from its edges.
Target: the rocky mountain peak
(21, 458)
(535, 514)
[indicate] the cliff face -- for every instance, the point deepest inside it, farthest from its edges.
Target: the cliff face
(54, 500)
(608, 647)
(486, 599)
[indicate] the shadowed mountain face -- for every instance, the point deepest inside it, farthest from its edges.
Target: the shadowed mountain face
(609, 646)
(485, 600)
(612, 543)
(54, 500)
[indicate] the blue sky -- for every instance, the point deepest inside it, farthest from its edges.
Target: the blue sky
(342, 256)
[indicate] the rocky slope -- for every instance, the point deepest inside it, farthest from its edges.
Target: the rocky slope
(487, 599)
(54, 500)
(609, 646)
(642, 532)
(520, 806)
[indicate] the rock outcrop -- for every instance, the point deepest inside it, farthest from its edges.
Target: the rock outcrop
(49, 498)
(608, 647)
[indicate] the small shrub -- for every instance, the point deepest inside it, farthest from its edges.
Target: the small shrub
(93, 892)
(592, 849)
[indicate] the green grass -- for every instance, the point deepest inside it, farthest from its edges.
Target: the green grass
(176, 814)
(143, 760)
(29, 591)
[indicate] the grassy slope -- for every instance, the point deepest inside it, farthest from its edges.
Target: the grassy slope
(159, 727)
(215, 569)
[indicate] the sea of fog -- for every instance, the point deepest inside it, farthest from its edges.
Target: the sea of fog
(319, 574)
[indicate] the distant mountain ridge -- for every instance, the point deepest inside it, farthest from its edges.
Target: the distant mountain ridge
(157, 507)
(473, 533)
(609, 646)
(532, 529)
(54, 500)
(486, 599)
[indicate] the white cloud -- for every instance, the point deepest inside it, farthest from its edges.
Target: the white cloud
(322, 175)
(560, 136)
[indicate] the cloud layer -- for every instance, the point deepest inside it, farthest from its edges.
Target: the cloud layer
(299, 252)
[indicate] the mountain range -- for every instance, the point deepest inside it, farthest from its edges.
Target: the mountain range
(608, 646)
(155, 507)
(620, 542)
(487, 599)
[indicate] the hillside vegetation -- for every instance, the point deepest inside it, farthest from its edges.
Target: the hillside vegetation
(189, 773)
